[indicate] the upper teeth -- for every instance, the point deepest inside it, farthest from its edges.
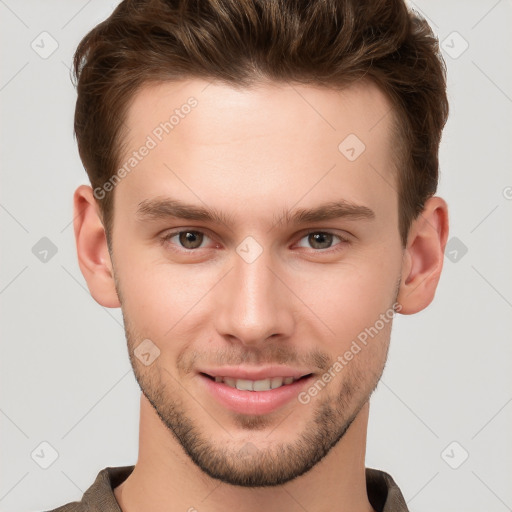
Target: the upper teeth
(256, 385)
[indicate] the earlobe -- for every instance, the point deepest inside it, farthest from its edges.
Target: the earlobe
(423, 257)
(92, 250)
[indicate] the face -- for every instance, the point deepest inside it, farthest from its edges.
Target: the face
(295, 267)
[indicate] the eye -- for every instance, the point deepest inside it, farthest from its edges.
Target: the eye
(186, 239)
(191, 239)
(323, 240)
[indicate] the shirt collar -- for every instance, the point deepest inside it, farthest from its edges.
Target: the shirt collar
(383, 493)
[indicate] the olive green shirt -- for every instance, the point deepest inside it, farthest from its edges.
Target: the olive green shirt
(383, 493)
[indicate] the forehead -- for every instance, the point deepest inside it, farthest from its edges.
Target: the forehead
(271, 107)
(282, 142)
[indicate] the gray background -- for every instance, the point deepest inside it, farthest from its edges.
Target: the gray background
(65, 374)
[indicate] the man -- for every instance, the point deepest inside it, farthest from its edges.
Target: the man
(262, 205)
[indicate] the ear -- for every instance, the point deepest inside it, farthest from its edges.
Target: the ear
(423, 257)
(92, 249)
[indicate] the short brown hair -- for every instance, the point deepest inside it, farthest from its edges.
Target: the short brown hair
(330, 43)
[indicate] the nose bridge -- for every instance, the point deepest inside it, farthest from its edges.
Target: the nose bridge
(255, 304)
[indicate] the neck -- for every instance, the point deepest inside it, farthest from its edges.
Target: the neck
(166, 479)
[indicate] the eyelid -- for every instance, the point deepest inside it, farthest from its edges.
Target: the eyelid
(344, 235)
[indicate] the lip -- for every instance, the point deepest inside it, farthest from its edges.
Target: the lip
(260, 373)
(253, 402)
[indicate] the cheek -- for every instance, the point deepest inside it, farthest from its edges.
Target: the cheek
(160, 298)
(351, 298)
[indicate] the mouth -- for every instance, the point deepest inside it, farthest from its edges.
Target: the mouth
(256, 397)
(267, 384)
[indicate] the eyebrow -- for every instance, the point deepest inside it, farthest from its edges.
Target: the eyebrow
(166, 207)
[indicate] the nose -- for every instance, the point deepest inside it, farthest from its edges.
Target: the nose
(254, 303)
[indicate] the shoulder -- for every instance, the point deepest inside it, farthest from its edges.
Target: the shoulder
(383, 492)
(100, 497)
(75, 506)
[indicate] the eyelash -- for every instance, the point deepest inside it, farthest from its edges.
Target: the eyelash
(167, 237)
